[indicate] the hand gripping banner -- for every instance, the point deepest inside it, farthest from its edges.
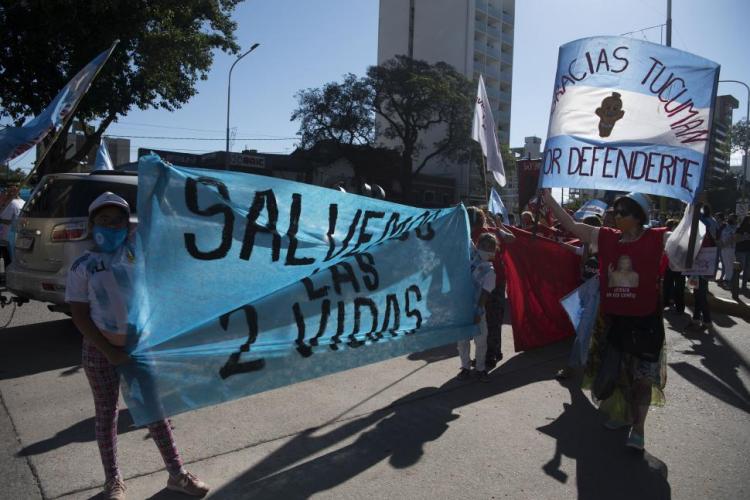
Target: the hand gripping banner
(246, 283)
(629, 115)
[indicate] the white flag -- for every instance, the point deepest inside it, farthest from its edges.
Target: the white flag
(103, 161)
(676, 246)
(483, 131)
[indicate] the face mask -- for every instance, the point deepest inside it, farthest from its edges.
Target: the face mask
(108, 239)
(485, 255)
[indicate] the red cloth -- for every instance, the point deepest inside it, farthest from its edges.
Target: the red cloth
(629, 272)
(539, 273)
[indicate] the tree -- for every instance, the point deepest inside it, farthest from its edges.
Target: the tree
(166, 46)
(341, 112)
(739, 136)
(412, 96)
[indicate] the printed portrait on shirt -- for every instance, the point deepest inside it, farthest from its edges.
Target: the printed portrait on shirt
(623, 276)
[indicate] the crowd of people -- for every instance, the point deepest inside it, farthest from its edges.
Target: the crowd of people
(624, 250)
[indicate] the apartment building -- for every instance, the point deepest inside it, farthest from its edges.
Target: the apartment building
(475, 37)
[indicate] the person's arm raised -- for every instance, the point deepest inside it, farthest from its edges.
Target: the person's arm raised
(583, 232)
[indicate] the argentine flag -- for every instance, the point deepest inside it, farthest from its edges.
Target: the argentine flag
(15, 141)
(591, 207)
(103, 161)
(629, 115)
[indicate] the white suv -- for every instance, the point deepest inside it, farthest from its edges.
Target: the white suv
(52, 231)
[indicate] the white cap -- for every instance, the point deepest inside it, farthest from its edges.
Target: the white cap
(109, 198)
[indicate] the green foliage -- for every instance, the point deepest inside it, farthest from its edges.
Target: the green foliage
(166, 47)
(412, 96)
(739, 136)
(341, 112)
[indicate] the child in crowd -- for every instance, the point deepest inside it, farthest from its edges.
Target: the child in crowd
(98, 290)
(484, 280)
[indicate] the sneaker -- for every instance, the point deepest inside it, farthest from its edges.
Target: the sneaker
(490, 363)
(188, 484)
(114, 489)
(464, 374)
(482, 376)
(635, 441)
(613, 425)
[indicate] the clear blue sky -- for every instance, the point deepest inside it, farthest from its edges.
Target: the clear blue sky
(305, 44)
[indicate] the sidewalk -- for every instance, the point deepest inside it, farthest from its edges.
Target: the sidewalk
(405, 428)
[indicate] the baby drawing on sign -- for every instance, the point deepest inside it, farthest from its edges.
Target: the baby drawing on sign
(624, 276)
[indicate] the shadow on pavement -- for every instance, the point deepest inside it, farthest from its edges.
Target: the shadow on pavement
(396, 433)
(40, 347)
(723, 363)
(81, 432)
(605, 467)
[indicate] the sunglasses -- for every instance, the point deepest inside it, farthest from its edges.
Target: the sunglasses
(622, 212)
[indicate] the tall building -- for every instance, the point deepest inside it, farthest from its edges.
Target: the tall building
(475, 37)
(719, 151)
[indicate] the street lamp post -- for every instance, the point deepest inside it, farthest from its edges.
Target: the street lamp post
(747, 140)
(229, 95)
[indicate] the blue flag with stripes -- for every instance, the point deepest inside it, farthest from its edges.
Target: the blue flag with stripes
(14, 141)
(246, 283)
(629, 115)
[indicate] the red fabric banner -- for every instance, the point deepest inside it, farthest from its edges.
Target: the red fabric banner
(539, 273)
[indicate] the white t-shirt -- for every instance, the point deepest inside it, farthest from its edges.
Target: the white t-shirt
(9, 213)
(105, 282)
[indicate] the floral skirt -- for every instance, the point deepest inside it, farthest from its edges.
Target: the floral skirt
(617, 406)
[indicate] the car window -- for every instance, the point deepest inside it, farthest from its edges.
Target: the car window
(59, 198)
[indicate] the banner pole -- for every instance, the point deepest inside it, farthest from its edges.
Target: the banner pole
(706, 157)
(484, 179)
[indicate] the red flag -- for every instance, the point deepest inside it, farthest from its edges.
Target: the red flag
(539, 273)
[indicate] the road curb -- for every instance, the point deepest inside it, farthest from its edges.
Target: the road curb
(724, 306)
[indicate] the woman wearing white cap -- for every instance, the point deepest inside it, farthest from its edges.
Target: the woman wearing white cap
(98, 288)
(629, 259)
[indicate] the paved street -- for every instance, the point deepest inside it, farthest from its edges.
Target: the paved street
(397, 429)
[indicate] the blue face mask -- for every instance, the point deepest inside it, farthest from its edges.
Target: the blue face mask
(108, 239)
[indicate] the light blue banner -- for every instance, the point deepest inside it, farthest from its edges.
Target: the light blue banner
(591, 207)
(14, 141)
(629, 115)
(247, 283)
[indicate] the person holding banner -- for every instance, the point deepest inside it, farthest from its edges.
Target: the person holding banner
(484, 281)
(98, 289)
(11, 209)
(495, 306)
(629, 258)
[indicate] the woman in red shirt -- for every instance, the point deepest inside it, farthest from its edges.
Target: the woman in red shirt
(629, 258)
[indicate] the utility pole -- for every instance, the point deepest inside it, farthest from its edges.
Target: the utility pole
(669, 23)
(662, 199)
(229, 95)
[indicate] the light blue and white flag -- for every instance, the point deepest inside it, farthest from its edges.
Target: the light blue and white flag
(15, 141)
(629, 115)
(103, 161)
(246, 283)
(582, 307)
(591, 207)
(496, 206)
